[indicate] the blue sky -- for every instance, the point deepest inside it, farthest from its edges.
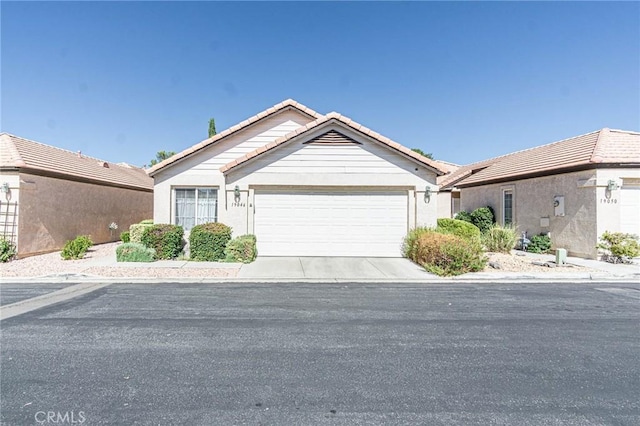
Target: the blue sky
(465, 81)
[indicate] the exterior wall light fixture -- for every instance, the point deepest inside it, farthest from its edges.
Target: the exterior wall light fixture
(427, 194)
(4, 188)
(236, 194)
(612, 185)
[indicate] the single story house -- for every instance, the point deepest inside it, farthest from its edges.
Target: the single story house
(574, 189)
(49, 195)
(306, 184)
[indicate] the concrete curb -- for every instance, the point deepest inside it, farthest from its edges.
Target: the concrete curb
(493, 279)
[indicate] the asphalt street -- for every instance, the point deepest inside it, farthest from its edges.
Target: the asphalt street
(12, 293)
(437, 354)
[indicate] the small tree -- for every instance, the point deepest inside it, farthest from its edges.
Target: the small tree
(212, 127)
(161, 156)
(421, 152)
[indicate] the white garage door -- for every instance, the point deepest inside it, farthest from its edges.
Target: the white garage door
(296, 223)
(629, 208)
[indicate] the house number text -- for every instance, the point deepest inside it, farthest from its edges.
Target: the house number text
(609, 200)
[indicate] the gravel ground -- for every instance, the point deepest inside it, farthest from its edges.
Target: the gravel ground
(53, 264)
(515, 263)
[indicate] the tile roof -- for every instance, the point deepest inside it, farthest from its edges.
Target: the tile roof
(289, 103)
(605, 146)
(336, 117)
(25, 154)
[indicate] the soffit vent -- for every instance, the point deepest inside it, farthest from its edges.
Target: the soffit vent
(332, 137)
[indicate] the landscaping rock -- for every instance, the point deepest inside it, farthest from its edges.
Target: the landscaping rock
(495, 265)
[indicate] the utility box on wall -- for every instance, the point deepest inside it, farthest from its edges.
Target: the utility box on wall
(558, 205)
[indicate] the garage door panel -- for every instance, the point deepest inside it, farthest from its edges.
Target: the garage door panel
(629, 208)
(330, 223)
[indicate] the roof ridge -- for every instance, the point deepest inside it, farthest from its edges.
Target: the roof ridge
(62, 149)
(12, 149)
(236, 128)
(596, 156)
(536, 147)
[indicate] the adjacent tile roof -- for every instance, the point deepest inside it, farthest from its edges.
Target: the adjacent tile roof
(334, 116)
(605, 146)
(289, 103)
(28, 155)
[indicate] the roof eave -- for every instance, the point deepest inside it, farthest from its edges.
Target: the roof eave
(325, 121)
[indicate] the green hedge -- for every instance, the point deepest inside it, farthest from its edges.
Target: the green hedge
(125, 237)
(539, 244)
(76, 248)
(208, 241)
(165, 239)
(136, 230)
(241, 249)
(482, 217)
(459, 228)
(134, 252)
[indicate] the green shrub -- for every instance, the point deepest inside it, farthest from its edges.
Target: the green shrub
(620, 245)
(448, 254)
(124, 237)
(241, 249)
(7, 250)
(134, 252)
(483, 218)
(539, 244)
(147, 222)
(409, 243)
(500, 239)
(165, 239)
(136, 230)
(208, 241)
(76, 248)
(466, 216)
(459, 228)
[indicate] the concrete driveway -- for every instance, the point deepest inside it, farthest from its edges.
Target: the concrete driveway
(332, 268)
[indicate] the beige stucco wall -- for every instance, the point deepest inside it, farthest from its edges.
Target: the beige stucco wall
(444, 204)
(577, 230)
(54, 210)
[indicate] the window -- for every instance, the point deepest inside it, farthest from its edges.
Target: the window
(507, 207)
(195, 206)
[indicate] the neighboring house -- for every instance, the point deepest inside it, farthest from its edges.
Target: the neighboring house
(49, 195)
(448, 200)
(574, 189)
(304, 183)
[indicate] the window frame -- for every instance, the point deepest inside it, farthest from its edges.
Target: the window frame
(504, 191)
(174, 201)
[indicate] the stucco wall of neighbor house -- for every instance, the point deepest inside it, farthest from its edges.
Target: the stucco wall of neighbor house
(9, 206)
(444, 204)
(534, 201)
(54, 210)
